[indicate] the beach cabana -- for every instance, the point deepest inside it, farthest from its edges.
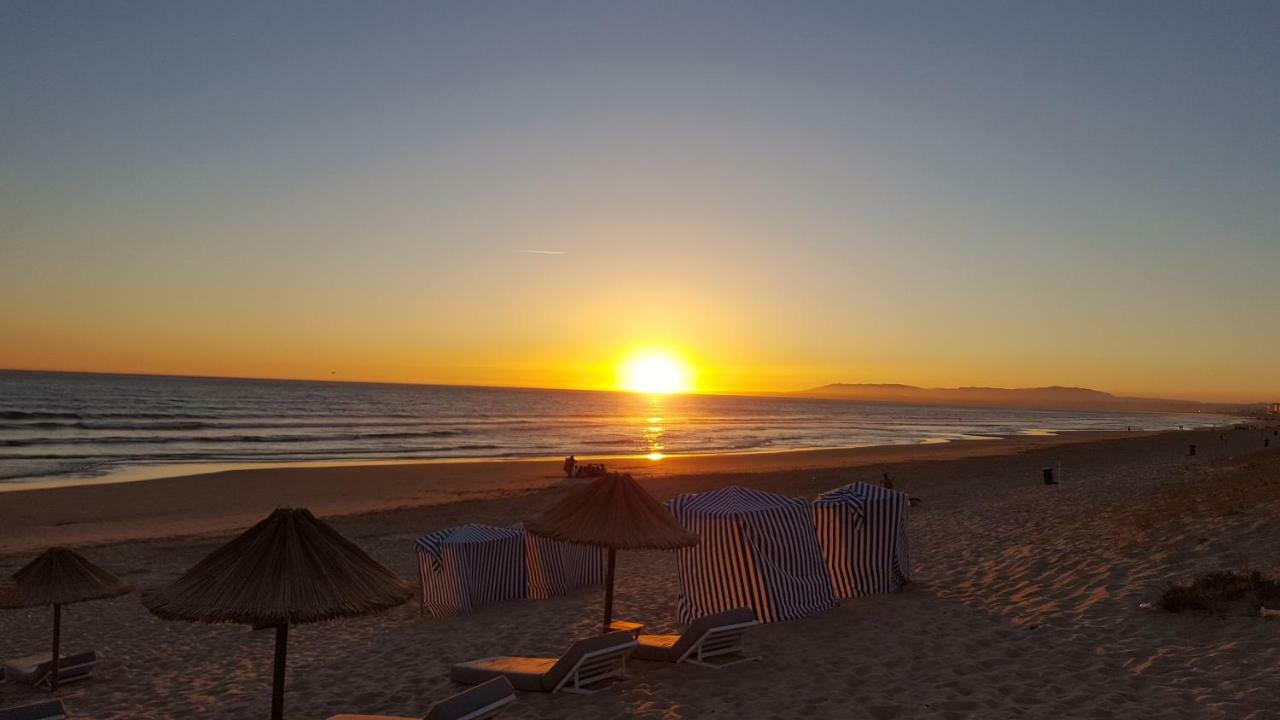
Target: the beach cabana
(554, 568)
(58, 577)
(289, 569)
(462, 568)
(613, 512)
(758, 550)
(863, 529)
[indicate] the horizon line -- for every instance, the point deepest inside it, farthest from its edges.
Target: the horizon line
(721, 393)
(258, 378)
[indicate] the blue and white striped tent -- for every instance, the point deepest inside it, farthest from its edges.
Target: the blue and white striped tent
(464, 567)
(863, 529)
(554, 567)
(758, 550)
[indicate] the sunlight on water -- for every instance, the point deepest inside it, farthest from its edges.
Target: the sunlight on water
(55, 425)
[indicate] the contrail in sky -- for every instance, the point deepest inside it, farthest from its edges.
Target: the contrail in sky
(541, 252)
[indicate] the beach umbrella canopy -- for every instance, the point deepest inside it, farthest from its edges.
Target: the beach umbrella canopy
(58, 577)
(291, 568)
(613, 512)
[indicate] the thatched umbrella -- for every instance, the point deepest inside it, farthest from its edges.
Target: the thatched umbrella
(290, 568)
(59, 577)
(613, 512)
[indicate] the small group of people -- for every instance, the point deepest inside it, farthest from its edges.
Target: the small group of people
(573, 469)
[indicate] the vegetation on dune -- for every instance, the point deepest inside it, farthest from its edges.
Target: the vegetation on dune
(1224, 593)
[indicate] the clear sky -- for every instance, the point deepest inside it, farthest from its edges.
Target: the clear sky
(784, 194)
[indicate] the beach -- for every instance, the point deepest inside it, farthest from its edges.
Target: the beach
(1024, 601)
(323, 321)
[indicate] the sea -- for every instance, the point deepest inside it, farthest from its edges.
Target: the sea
(77, 427)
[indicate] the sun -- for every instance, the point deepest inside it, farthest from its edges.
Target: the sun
(654, 372)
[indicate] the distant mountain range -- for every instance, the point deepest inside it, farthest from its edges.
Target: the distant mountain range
(1047, 398)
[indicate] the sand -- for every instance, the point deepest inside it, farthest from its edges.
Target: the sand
(1025, 602)
(220, 502)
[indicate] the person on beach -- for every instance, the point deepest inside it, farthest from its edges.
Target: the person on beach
(569, 464)
(590, 470)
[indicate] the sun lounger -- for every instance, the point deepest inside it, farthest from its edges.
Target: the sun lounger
(37, 670)
(587, 662)
(44, 710)
(712, 636)
(477, 703)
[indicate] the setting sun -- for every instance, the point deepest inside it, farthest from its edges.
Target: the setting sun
(654, 371)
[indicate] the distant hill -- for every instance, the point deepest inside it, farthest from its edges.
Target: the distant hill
(1047, 398)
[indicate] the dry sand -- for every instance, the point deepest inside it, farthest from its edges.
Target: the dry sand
(1024, 605)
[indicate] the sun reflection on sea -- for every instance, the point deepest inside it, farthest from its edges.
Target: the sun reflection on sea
(653, 429)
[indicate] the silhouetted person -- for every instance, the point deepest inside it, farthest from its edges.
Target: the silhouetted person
(569, 464)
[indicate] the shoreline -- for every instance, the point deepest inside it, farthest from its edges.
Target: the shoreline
(212, 503)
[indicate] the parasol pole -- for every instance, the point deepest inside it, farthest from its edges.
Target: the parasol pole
(608, 591)
(57, 642)
(277, 684)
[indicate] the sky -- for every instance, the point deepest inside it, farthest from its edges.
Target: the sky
(782, 194)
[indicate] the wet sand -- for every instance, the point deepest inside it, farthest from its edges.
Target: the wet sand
(1024, 605)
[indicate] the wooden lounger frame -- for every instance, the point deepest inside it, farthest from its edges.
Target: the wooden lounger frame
(596, 666)
(717, 642)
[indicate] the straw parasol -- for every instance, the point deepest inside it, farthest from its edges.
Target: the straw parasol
(290, 568)
(613, 512)
(59, 577)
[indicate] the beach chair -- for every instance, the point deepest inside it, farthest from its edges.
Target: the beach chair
(587, 662)
(708, 637)
(477, 703)
(37, 670)
(44, 710)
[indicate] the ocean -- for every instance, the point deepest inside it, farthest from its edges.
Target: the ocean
(90, 427)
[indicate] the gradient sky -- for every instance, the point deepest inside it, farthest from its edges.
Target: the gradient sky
(788, 194)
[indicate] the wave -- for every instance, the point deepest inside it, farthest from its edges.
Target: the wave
(224, 439)
(442, 451)
(58, 467)
(230, 413)
(286, 423)
(26, 414)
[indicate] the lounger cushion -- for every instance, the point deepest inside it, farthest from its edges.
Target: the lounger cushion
(525, 673)
(32, 668)
(469, 701)
(46, 710)
(577, 650)
(27, 669)
(535, 674)
(656, 647)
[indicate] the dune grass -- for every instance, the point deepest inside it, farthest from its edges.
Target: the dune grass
(1224, 593)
